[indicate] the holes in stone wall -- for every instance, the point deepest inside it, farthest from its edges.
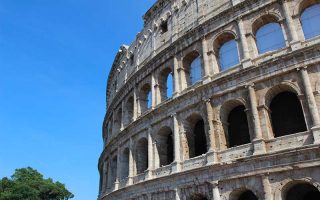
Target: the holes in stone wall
(142, 155)
(164, 141)
(286, 114)
(238, 130)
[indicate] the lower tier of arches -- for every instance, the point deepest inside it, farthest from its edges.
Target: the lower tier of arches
(289, 175)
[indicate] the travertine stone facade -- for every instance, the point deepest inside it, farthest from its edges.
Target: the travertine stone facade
(226, 136)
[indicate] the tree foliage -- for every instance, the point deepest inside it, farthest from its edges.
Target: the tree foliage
(29, 184)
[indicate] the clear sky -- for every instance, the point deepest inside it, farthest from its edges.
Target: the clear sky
(55, 56)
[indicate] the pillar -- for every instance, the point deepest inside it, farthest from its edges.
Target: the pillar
(154, 88)
(150, 153)
(131, 163)
(205, 60)
(212, 155)
(104, 178)
(177, 144)
(215, 190)
(244, 43)
(291, 25)
(176, 76)
(266, 187)
(118, 175)
(177, 196)
(123, 116)
(135, 103)
(109, 177)
(258, 143)
(311, 104)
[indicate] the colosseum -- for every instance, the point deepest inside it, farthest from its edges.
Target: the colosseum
(216, 99)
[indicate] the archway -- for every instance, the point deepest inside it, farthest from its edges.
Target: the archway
(286, 114)
(238, 130)
(302, 191)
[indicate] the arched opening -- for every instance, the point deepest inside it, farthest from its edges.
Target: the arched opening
(114, 166)
(125, 164)
(129, 108)
(196, 136)
(227, 48)
(164, 143)
(238, 130)
(193, 67)
(247, 195)
(286, 114)
(302, 191)
(310, 21)
(269, 37)
(198, 197)
(142, 155)
(166, 84)
(145, 98)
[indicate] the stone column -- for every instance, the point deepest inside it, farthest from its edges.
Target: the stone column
(104, 178)
(266, 187)
(153, 91)
(205, 60)
(135, 104)
(246, 61)
(150, 153)
(116, 185)
(212, 154)
(131, 163)
(177, 194)
(123, 116)
(109, 177)
(258, 143)
(176, 76)
(177, 143)
(311, 104)
(291, 25)
(215, 190)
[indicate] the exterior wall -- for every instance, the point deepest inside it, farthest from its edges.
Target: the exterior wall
(267, 164)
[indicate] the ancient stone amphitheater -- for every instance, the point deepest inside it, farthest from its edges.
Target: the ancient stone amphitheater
(216, 99)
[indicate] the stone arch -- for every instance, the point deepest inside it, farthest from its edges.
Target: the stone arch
(286, 114)
(265, 19)
(235, 123)
(196, 138)
(190, 69)
(144, 97)
(301, 5)
(309, 20)
(165, 146)
(224, 44)
(223, 37)
(280, 101)
(163, 83)
(124, 173)
(243, 194)
(282, 87)
(142, 155)
(284, 187)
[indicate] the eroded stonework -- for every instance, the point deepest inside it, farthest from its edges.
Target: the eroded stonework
(251, 131)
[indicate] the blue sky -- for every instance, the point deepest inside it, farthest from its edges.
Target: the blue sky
(55, 56)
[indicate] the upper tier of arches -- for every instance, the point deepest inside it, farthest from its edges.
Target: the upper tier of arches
(222, 50)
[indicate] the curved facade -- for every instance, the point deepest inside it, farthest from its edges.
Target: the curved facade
(216, 100)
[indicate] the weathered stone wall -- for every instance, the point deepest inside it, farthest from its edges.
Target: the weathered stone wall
(175, 33)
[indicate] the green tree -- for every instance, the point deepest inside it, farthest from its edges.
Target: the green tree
(29, 184)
